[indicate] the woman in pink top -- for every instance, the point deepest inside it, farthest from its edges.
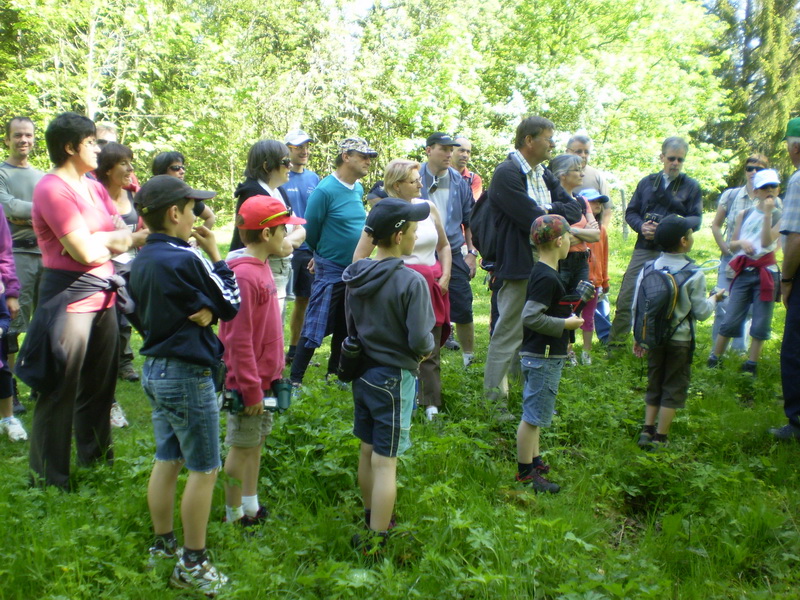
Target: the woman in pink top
(72, 353)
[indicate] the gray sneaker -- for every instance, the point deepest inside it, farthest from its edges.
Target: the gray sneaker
(157, 553)
(202, 577)
(786, 433)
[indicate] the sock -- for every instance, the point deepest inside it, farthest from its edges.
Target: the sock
(367, 516)
(651, 429)
(537, 462)
(250, 505)
(165, 541)
(467, 356)
(233, 513)
(193, 557)
(524, 469)
(660, 437)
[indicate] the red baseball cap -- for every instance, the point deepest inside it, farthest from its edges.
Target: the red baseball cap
(259, 212)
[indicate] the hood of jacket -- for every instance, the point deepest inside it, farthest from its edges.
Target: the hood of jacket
(366, 277)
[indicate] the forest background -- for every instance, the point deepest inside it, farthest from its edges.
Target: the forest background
(210, 77)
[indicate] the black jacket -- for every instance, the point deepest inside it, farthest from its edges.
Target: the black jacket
(514, 212)
(681, 197)
(247, 189)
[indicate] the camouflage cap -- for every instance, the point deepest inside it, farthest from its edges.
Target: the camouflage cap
(548, 228)
(356, 144)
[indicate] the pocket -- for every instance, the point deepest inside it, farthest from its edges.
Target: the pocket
(172, 400)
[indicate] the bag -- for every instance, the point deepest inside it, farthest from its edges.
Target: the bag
(656, 299)
(484, 232)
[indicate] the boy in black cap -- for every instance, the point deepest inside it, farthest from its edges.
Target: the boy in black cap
(389, 309)
(179, 294)
(669, 364)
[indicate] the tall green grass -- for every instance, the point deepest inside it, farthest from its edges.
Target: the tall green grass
(715, 516)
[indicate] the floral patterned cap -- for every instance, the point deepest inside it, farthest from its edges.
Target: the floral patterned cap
(548, 228)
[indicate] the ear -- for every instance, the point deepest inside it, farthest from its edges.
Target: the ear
(265, 234)
(70, 149)
(173, 214)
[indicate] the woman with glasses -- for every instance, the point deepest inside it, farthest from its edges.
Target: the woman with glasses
(267, 170)
(568, 168)
(732, 202)
(172, 163)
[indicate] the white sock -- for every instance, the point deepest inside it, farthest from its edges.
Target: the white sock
(233, 514)
(250, 505)
(431, 412)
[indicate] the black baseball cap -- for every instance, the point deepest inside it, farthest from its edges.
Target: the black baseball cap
(440, 138)
(390, 214)
(164, 190)
(672, 228)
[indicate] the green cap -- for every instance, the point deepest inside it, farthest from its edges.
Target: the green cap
(793, 128)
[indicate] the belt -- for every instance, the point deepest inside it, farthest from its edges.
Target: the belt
(25, 243)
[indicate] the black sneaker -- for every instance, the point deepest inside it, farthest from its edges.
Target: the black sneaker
(786, 433)
(19, 408)
(452, 343)
(247, 521)
(713, 361)
(645, 439)
(537, 482)
(750, 367)
(157, 553)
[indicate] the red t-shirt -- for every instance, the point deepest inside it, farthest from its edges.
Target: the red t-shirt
(59, 210)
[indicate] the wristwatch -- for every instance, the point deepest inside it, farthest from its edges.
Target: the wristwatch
(784, 280)
(473, 252)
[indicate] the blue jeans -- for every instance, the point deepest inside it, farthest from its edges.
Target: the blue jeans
(744, 293)
(738, 343)
(541, 377)
(185, 412)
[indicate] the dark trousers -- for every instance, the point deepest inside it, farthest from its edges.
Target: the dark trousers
(337, 325)
(790, 357)
(430, 380)
(82, 400)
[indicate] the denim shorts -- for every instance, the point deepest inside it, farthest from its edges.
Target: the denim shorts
(744, 293)
(246, 431)
(185, 412)
(383, 399)
(541, 377)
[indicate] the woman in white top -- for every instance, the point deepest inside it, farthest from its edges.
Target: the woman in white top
(432, 259)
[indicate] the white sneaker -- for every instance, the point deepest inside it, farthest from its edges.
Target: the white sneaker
(572, 359)
(586, 358)
(118, 419)
(468, 360)
(14, 429)
(203, 577)
(431, 412)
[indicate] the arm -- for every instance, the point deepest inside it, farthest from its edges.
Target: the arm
(15, 208)
(94, 249)
(8, 269)
(509, 195)
(443, 249)
(737, 244)
(716, 227)
(419, 317)
(534, 317)
(316, 210)
(702, 305)
(791, 263)
(297, 237)
(237, 336)
(208, 216)
(634, 214)
(769, 232)
(364, 248)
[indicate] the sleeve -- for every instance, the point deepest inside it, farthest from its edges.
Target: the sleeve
(237, 337)
(702, 305)
(694, 203)
(539, 297)
(5, 316)
(57, 207)
(419, 317)
(217, 288)
(236, 239)
(633, 214)
(508, 195)
(16, 208)
(636, 296)
(316, 210)
(8, 270)
(467, 201)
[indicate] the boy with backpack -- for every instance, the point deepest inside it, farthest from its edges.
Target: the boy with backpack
(389, 310)
(670, 295)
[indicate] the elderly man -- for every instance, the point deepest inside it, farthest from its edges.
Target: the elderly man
(664, 193)
(582, 145)
(790, 347)
(335, 217)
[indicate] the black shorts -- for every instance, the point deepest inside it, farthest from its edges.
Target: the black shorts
(302, 277)
(384, 399)
(460, 291)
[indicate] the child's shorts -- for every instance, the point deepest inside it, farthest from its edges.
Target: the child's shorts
(245, 431)
(541, 377)
(185, 412)
(384, 399)
(669, 371)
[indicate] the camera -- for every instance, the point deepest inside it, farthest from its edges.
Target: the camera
(654, 217)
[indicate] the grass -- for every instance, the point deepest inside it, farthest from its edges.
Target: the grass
(715, 516)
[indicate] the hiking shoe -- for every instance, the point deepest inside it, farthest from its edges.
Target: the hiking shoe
(656, 445)
(451, 343)
(370, 542)
(535, 481)
(786, 433)
(14, 429)
(713, 361)
(468, 360)
(128, 373)
(586, 358)
(158, 553)
(645, 439)
(247, 521)
(19, 408)
(750, 367)
(118, 419)
(202, 577)
(572, 359)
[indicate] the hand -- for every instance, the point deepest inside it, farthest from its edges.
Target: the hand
(747, 247)
(638, 351)
(202, 317)
(207, 242)
(720, 295)
(254, 410)
(119, 224)
(311, 266)
(444, 283)
(649, 230)
(573, 322)
(471, 263)
(606, 289)
(786, 291)
(13, 306)
(769, 204)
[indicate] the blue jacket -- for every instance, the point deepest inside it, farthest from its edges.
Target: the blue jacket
(459, 205)
(170, 280)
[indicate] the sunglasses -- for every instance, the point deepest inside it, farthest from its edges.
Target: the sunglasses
(751, 168)
(283, 213)
(286, 162)
(176, 168)
(434, 185)
(678, 159)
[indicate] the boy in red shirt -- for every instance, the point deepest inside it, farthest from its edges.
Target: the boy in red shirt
(253, 350)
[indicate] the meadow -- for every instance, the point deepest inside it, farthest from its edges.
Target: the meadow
(713, 516)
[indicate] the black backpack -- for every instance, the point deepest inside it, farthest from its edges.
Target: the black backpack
(484, 232)
(656, 299)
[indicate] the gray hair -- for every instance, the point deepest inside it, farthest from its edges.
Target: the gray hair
(563, 163)
(674, 143)
(580, 138)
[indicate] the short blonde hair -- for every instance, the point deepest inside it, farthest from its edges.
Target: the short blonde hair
(396, 171)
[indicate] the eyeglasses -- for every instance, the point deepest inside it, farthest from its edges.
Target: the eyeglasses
(283, 213)
(101, 142)
(413, 181)
(751, 168)
(678, 159)
(176, 168)
(286, 162)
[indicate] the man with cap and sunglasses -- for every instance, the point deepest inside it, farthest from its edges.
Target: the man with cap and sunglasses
(334, 216)
(302, 182)
(790, 347)
(448, 190)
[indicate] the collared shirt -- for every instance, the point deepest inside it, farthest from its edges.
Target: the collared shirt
(790, 221)
(537, 190)
(735, 201)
